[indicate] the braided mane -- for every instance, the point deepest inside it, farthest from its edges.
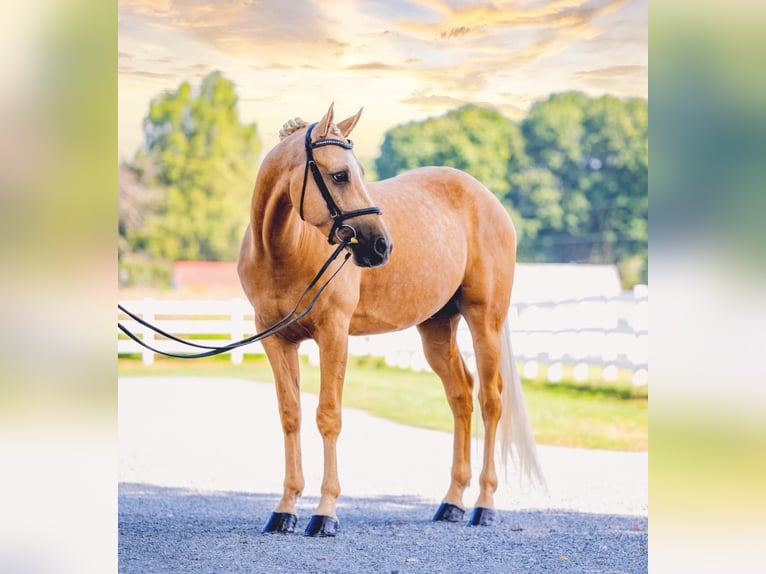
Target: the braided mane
(291, 126)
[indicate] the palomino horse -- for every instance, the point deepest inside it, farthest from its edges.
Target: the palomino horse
(444, 248)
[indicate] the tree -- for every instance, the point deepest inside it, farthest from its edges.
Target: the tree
(135, 202)
(204, 161)
(477, 140)
(573, 175)
(597, 152)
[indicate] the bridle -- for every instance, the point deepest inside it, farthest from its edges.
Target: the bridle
(338, 216)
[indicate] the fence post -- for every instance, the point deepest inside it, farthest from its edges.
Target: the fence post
(147, 355)
(237, 332)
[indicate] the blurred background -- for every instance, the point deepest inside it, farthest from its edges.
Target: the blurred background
(59, 210)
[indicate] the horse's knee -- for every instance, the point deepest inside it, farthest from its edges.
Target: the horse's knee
(291, 421)
(328, 422)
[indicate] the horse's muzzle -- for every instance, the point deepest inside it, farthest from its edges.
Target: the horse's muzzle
(373, 253)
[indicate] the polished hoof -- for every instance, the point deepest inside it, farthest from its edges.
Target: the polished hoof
(280, 522)
(448, 513)
(322, 526)
(482, 517)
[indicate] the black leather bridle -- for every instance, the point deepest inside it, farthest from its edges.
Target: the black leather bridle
(338, 216)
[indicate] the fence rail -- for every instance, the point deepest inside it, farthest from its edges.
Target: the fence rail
(593, 337)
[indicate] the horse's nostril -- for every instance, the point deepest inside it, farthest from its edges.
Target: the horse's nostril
(381, 246)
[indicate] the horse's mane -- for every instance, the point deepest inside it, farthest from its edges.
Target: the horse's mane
(291, 126)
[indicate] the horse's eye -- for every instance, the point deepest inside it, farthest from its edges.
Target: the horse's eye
(340, 177)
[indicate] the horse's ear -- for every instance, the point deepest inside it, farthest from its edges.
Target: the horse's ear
(348, 124)
(323, 125)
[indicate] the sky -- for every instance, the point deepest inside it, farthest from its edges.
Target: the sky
(402, 60)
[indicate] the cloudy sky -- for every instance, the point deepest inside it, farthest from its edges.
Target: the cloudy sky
(401, 59)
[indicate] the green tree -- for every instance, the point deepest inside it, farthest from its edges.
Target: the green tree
(573, 174)
(203, 160)
(477, 140)
(596, 151)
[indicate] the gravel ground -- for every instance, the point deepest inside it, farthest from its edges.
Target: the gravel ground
(201, 468)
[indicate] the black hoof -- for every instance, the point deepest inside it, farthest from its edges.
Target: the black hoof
(482, 516)
(322, 526)
(280, 522)
(448, 513)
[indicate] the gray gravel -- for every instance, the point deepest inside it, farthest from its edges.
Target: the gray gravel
(201, 465)
(178, 530)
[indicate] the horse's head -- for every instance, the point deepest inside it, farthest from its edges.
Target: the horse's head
(329, 192)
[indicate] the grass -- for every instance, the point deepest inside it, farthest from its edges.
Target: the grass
(565, 414)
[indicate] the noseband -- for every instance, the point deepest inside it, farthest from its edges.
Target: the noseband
(338, 217)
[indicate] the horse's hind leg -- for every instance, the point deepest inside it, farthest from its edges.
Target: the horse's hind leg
(440, 348)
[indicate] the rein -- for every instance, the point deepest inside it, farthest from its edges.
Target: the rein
(338, 216)
(288, 320)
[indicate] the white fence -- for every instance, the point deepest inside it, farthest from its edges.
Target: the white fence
(593, 336)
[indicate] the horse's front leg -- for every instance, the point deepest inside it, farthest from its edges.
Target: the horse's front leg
(333, 349)
(283, 357)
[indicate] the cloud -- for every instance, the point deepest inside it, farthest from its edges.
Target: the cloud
(270, 29)
(432, 101)
(419, 56)
(613, 72)
(484, 19)
(473, 73)
(130, 71)
(485, 41)
(458, 32)
(435, 104)
(458, 48)
(625, 80)
(279, 67)
(372, 66)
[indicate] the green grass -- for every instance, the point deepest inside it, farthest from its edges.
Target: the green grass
(564, 414)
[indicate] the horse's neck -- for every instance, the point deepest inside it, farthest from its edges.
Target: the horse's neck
(275, 226)
(276, 232)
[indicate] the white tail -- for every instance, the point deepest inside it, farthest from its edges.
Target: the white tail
(516, 436)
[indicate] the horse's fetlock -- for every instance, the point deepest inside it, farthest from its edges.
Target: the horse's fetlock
(488, 482)
(331, 488)
(462, 477)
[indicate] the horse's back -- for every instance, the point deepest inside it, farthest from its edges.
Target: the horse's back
(445, 226)
(443, 206)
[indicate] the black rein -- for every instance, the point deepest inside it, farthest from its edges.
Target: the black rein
(338, 217)
(288, 320)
